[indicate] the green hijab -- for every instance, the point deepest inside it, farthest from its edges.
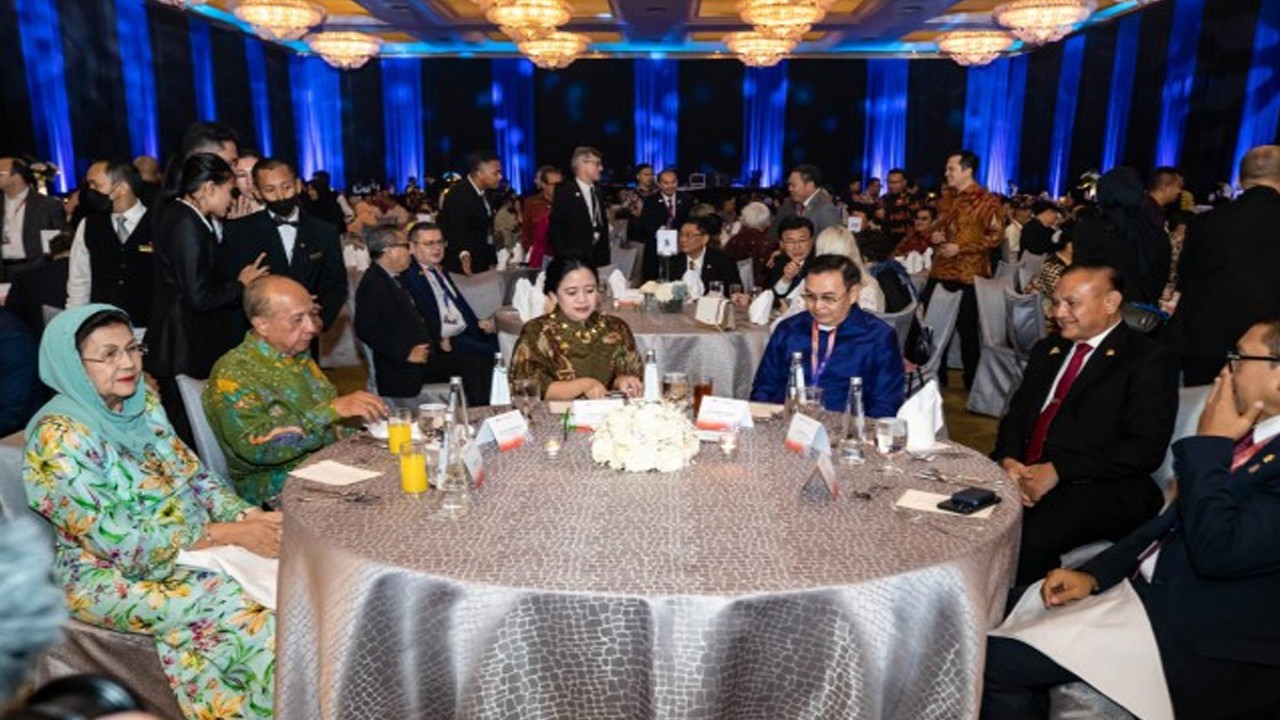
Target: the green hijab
(62, 369)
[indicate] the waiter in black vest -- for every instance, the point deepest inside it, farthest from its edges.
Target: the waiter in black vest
(111, 255)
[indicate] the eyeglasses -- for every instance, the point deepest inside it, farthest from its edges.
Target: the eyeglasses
(1234, 359)
(811, 299)
(430, 243)
(113, 355)
(793, 243)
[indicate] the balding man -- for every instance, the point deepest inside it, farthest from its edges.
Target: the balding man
(1088, 425)
(1227, 270)
(267, 400)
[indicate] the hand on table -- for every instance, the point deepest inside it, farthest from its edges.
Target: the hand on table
(1221, 416)
(592, 389)
(629, 384)
(361, 404)
(259, 533)
(1064, 586)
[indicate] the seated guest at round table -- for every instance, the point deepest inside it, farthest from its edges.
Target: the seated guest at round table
(453, 325)
(125, 495)
(267, 401)
(575, 351)
(792, 264)
(837, 340)
(704, 257)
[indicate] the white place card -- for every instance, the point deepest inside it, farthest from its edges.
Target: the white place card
(508, 431)
(721, 413)
(807, 435)
(668, 243)
(928, 502)
(473, 459)
(588, 414)
(855, 224)
(330, 472)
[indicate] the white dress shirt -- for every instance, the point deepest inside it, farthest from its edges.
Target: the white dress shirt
(14, 214)
(80, 274)
(288, 233)
(451, 321)
(588, 194)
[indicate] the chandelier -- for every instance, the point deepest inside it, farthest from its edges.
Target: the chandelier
(1037, 22)
(788, 19)
(527, 19)
(183, 3)
(756, 49)
(280, 19)
(554, 50)
(974, 47)
(344, 50)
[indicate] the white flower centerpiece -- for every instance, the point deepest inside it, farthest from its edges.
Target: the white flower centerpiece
(669, 296)
(645, 437)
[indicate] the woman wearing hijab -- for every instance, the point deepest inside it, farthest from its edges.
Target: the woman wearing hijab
(125, 495)
(1123, 236)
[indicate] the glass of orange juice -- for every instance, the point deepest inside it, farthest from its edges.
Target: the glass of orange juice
(399, 429)
(413, 467)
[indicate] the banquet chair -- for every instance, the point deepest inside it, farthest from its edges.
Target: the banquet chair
(1000, 366)
(13, 495)
(1024, 318)
(1031, 266)
(482, 291)
(602, 275)
(748, 274)
(1191, 402)
(430, 393)
(900, 322)
(49, 312)
(940, 317)
(1007, 271)
(624, 257)
(207, 446)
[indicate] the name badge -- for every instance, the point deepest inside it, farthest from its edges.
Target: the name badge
(508, 431)
(146, 249)
(587, 415)
(806, 435)
(473, 459)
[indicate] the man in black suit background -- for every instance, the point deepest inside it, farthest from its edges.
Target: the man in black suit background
(296, 244)
(699, 254)
(1207, 570)
(44, 283)
(387, 321)
(1088, 425)
(466, 216)
(1227, 270)
(665, 209)
(26, 214)
(579, 227)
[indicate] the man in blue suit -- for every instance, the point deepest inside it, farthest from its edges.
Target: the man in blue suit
(1207, 569)
(453, 325)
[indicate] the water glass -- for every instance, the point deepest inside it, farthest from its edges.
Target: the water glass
(399, 429)
(716, 288)
(735, 289)
(524, 392)
(675, 388)
(891, 440)
(431, 417)
(702, 387)
(811, 402)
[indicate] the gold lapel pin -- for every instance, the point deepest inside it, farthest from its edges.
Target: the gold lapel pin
(1268, 458)
(1111, 352)
(1055, 351)
(1253, 469)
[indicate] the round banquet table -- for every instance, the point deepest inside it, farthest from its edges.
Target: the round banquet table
(728, 357)
(570, 590)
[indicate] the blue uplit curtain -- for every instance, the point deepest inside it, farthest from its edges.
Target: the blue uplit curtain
(993, 119)
(764, 120)
(657, 90)
(1064, 112)
(1122, 69)
(257, 65)
(513, 118)
(1262, 93)
(402, 120)
(886, 103)
(41, 38)
(202, 70)
(317, 117)
(1179, 78)
(139, 78)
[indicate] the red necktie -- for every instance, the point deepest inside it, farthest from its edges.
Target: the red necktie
(1036, 447)
(1244, 450)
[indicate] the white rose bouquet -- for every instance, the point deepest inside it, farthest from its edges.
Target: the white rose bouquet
(643, 437)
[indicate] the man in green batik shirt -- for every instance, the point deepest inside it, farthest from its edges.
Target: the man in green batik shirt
(270, 405)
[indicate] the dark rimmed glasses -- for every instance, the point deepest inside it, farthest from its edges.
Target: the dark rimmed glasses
(1234, 359)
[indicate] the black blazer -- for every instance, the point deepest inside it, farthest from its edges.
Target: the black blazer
(466, 225)
(195, 317)
(40, 212)
(775, 274)
(1114, 424)
(317, 256)
(716, 266)
(1228, 273)
(1037, 238)
(45, 283)
(387, 321)
(1216, 584)
(572, 233)
(653, 217)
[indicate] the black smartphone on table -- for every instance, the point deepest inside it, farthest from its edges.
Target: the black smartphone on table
(969, 501)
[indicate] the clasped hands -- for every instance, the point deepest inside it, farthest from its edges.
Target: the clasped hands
(593, 389)
(1033, 480)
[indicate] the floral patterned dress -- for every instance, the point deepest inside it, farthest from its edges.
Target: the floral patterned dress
(120, 522)
(554, 348)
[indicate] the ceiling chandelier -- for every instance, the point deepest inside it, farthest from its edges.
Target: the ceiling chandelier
(1037, 22)
(554, 50)
(182, 3)
(789, 19)
(974, 47)
(280, 19)
(756, 49)
(527, 19)
(344, 50)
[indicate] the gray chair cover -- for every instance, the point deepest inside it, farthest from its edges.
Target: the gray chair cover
(482, 291)
(1031, 265)
(624, 257)
(900, 322)
(602, 275)
(1024, 318)
(920, 280)
(49, 312)
(1000, 366)
(207, 446)
(1191, 402)
(940, 317)
(1007, 271)
(748, 274)
(13, 494)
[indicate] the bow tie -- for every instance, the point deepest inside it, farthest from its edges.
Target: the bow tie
(281, 221)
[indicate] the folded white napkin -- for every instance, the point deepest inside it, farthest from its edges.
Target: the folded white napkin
(528, 299)
(256, 574)
(928, 258)
(617, 284)
(504, 255)
(517, 254)
(758, 313)
(693, 283)
(915, 262)
(923, 413)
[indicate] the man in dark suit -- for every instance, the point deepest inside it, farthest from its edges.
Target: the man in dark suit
(699, 254)
(1088, 425)
(296, 244)
(26, 214)
(807, 200)
(579, 227)
(466, 216)
(1207, 570)
(44, 283)
(1227, 270)
(112, 255)
(1038, 234)
(663, 210)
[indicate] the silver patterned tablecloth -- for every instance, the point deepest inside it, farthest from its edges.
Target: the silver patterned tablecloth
(570, 591)
(729, 357)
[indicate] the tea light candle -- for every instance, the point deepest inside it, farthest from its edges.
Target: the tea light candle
(728, 442)
(552, 447)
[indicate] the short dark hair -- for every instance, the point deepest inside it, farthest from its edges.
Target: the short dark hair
(842, 264)
(643, 166)
(201, 168)
(875, 245)
(669, 170)
(874, 180)
(269, 164)
(808, 173)
(546, 170)
(897, 171)
(421, 226)
(796, 222)
(1040, 206)
(968, 159)
(121, 170)
(478, 158)
(1162, 176)
(203, 137)
(560, 267)
(100, 319)
(708, 225)
(249, 153)
(22, 169)
(1110, 273)
(933, 211)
